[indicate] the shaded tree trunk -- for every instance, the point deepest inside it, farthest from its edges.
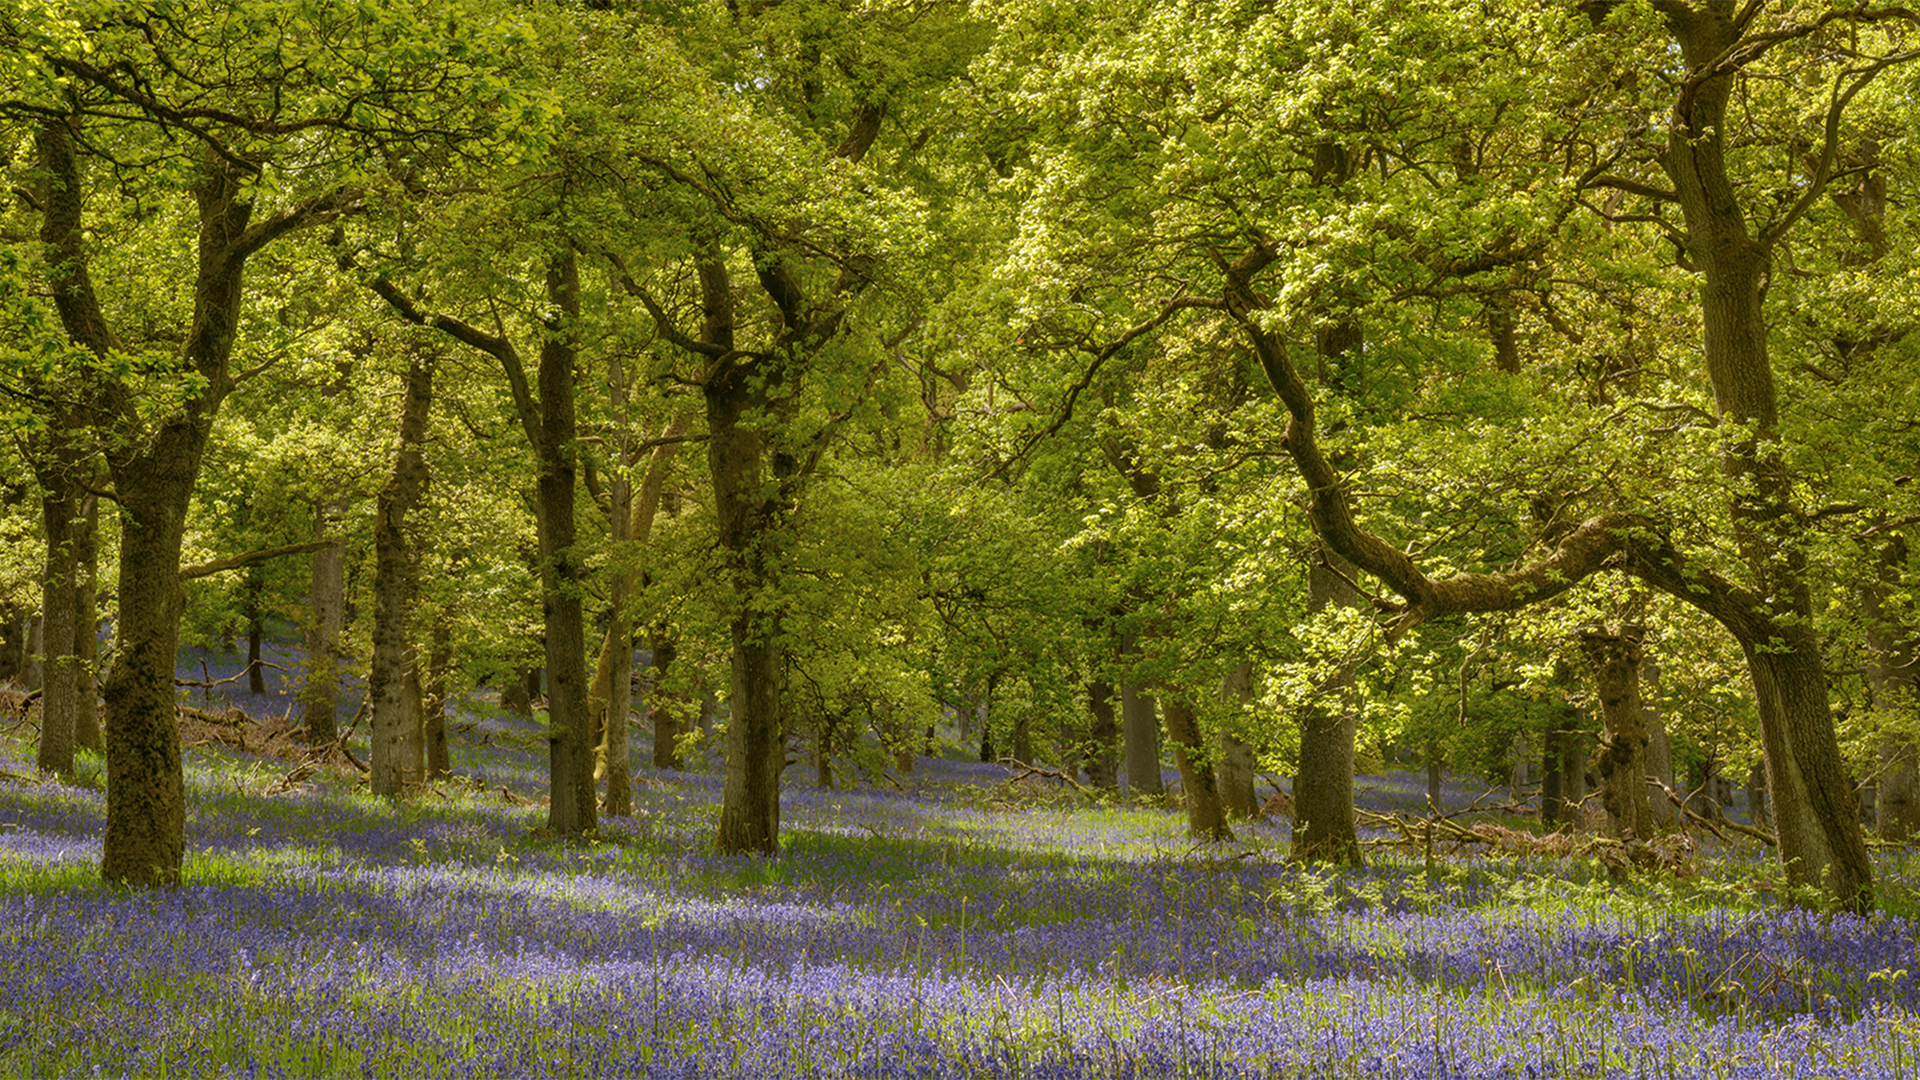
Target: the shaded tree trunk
(256, 585)
(439, 679)
(1621, 759)
(1206, 816)
(1893, 674)
(666, 725)
(1323, 793)
(1236, 757)
(397, 759)
(1140, 728)
(1659, 747)
(1103, 734)
(756, 735)
(60, 686)
(327, 597)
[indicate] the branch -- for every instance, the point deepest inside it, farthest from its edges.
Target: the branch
(235, 562)
(1100, 357)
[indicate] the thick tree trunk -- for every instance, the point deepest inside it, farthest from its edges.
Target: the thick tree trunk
(1021, 738)
(756, 736)
(1621, 759)
(146, 802)
(327, 597)
(563, 576)
(1103, 735)
(1206, 817)
(396, 760)
(1140, 728)
(1237, 767)
(1323, 828)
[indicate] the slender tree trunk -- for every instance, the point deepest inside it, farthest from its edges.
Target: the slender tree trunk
(1659, 747)
(86, 621)
(439, 677)
(1621, 759)
(60, 688)
(256, 632)
(327, 596)
(1021, 737)
(1140, 728)
(1236, 757)
(1553, 803)
(1893, 674)
(1206, 817)
(396, 761)
(34, 672)
(1102, 736)
(666, 723)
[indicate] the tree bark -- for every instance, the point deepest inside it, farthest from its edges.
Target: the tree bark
(1659, 747)
(1206, 817)
(1237, 766)
(439, 676)
(396, 760)
(667, 727)
(254, 588)
(1622, 757)
(1140, 728)
(747, 525)
(60, 687)
(1323, 828)
(1893, 674)
(1103, 734)
(1821, 843)
(572, 806)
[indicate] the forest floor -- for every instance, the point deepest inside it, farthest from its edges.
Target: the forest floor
(957, 924)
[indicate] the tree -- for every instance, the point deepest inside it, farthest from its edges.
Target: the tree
(214, 101)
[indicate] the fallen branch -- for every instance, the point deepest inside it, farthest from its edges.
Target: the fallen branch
(178, 681)
(1029, 771)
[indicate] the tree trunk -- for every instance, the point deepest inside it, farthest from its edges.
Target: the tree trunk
(1659, 747)
(514, 697)
(1893, 674)
(1021, 737)
(563, 576)
(1140, 728)
(60, 689)
(396, 760)
(439, 676)
(1621, 759)
(666, 725)
(328, 599)
(1553, 801)
(1821, 843)
(255, 586)
(1435, 759)
(1236, 757)
(1206, 817)
(34, 671)
(1102, 736)
(1323, 795)
(756, 736)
